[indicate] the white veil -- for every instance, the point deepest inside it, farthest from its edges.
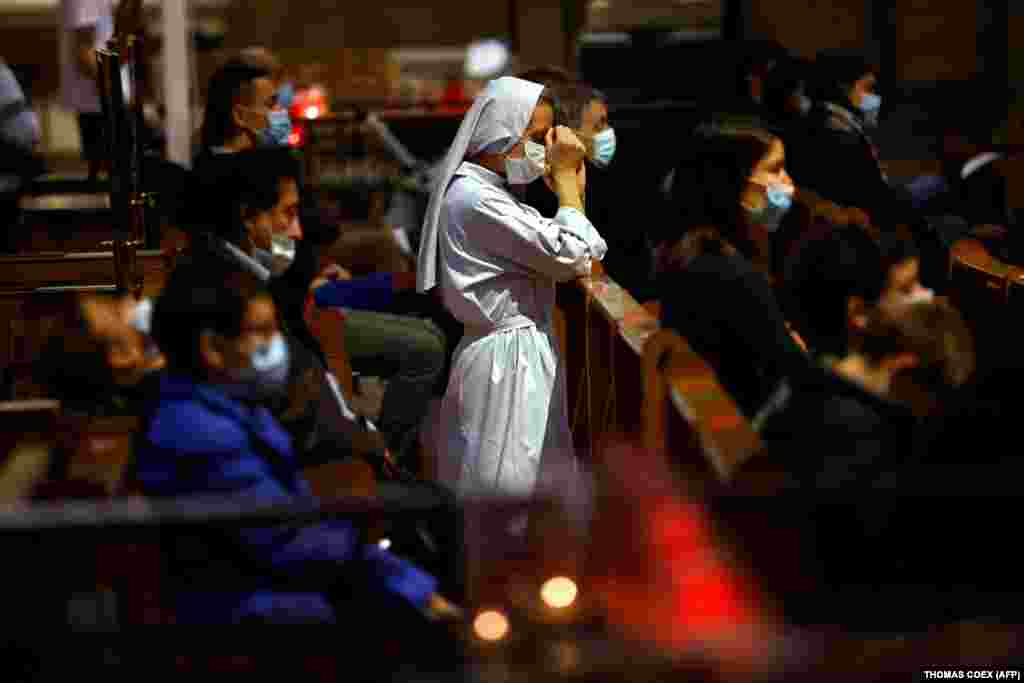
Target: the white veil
(502, 112)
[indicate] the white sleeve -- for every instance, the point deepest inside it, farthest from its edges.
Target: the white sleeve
(562, 247)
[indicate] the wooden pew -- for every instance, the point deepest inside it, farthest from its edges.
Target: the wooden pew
(65, 222)
(980, 287)
(629, 379)
(686, 411)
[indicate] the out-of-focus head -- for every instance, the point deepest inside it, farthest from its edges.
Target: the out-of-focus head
(239, 101)
(847, 79)
(262, 58)
(760, 57)
(927, 350)
(786, 90)
(98, 349)
(835, 283)
(585, 110)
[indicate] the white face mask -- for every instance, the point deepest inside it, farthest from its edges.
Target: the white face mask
(530, 167)
(920, 295)
(142, 322)
(283, 246)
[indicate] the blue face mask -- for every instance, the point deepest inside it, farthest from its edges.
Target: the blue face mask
(267, 374)
(870, 106)
(278, 130)
(604, 147)
(780, 201)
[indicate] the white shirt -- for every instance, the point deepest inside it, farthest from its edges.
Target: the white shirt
(500, 258)
(978, 162)
(78, 92)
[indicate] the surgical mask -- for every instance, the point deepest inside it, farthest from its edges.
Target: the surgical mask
(278, 130)
(532, 165)
(870, 106)
(780, 200)
(283, 246)
(604, 147)
(267, 373)
(142, 322)
(920, 295)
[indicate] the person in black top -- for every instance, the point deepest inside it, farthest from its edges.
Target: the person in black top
(845, 434)
(728, 196)
(842, 161)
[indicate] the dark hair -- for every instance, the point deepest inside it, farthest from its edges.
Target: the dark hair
(196, 299)
(847, 262)
(231, 82)
(757, 57)
(785, 80)
(824, 275)
(73, 365)
(232, 187)
(935, 333)
(706, 192)
(573, 100)
(835, 72)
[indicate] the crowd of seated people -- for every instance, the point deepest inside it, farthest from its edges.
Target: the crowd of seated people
(787, 259)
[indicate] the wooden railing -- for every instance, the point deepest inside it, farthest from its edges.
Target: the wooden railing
(627, 378)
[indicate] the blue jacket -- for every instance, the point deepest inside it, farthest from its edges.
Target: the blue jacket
(199, 442)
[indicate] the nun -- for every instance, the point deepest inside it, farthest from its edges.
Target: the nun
(504, 428)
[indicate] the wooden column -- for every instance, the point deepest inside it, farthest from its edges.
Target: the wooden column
(177, 74)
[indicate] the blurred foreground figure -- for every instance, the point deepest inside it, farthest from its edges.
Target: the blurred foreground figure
(659, 574)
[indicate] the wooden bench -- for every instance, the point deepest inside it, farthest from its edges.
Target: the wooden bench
(628, 379)
(980, 287)
(64, 223)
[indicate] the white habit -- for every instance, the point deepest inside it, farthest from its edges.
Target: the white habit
(504, 425)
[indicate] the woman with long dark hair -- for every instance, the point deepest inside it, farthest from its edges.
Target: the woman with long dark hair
(729, 195)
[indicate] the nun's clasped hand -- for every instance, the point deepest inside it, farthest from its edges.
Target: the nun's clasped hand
(565, 151)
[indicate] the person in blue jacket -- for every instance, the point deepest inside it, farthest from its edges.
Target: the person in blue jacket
(207, 433)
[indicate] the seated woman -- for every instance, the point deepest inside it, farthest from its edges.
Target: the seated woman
(729, 195)
(208, 434)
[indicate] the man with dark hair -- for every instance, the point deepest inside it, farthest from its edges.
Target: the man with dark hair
(834, 282)
(849, 424)
(241, 107)
(208, 435)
